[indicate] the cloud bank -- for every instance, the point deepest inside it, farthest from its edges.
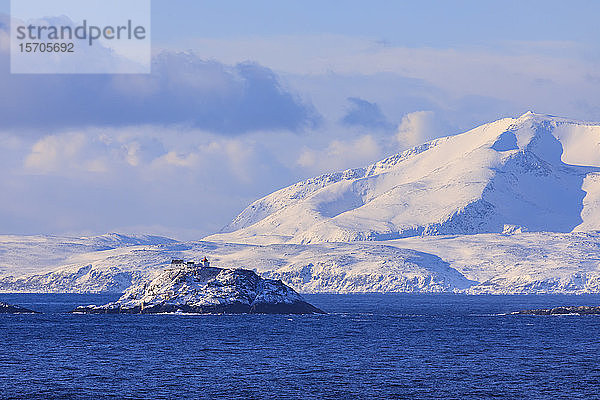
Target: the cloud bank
(365, 114)
(419, 127)
(182, 89)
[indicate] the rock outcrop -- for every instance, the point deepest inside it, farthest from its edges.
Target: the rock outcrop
(10, 309)
(580, 310)
(207, 290)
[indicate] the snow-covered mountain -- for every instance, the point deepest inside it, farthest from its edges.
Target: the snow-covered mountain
(532, 173)
(510, 207)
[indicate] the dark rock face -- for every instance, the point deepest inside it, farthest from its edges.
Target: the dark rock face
(301, 307)
(581, 310)
(10, 309)
(207, 290)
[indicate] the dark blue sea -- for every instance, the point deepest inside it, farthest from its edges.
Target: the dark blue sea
(368, 347)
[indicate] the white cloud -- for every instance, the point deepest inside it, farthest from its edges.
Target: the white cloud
(182, 89)
(178, 160)
(555, 77)
(418, 127)
(133, 153)
(171, 179)
(350, 55)
(142, 149)
(340, 155)
(64, 153)
(98, 180)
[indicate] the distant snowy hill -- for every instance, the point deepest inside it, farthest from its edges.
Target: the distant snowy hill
(308, 268)
(533, 173)
(27, 254)
(482, 263)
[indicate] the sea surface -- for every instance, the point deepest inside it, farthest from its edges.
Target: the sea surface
(384, 346)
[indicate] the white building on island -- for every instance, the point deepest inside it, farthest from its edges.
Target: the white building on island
(180, 263)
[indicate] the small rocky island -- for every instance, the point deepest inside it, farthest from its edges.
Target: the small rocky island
(10, 309)
(200, 288)
(579, 310)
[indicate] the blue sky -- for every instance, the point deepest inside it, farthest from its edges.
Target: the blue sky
(249, 96)
(411, 23)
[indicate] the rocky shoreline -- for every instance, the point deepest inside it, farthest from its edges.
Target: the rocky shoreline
(235, 308)
(207, 290)
(579, 310)
(11, 309)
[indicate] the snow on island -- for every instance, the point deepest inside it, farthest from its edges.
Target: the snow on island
(565, 310)
(10, 309)
(200, 288)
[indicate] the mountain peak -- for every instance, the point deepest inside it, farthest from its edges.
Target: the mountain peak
(534, 173)
(528, 114)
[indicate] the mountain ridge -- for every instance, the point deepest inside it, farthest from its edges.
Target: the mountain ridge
(509, 263)
(527, 173)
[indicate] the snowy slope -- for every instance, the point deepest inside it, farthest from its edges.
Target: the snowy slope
(481, 263)
(519, 263)
(533, 173)
(207, 290)
(21, 255)
(341, 267)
